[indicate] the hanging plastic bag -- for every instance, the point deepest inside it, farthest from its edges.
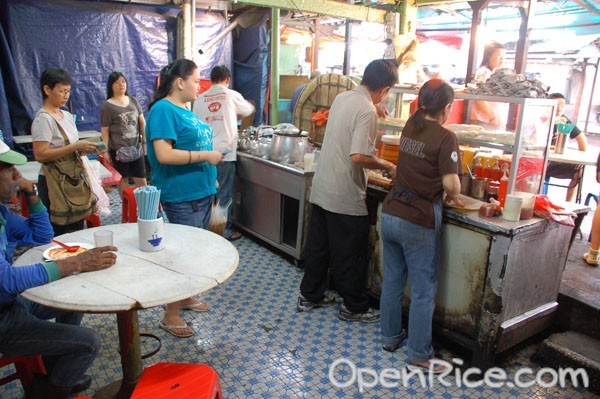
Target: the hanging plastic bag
(218, 217)
(103, 200)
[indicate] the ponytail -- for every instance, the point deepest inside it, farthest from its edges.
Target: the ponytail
(434, 96)
(180, 68)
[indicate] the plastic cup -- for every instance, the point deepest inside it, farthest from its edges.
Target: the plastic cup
(103, 238)
(512, 208)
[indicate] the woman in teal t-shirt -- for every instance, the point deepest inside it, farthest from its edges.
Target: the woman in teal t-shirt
(183, 165)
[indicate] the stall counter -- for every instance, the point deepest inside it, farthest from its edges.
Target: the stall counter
(498, 280)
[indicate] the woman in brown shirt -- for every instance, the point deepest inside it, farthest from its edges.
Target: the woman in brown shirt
(428, 166)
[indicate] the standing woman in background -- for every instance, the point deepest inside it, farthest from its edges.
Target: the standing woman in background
(183, 165)
(411, 223)
(48, 141)
(123, 127)
(486, 113)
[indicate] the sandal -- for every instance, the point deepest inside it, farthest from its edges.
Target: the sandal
(592, 257)
(171, 329)
(438, 369)
(236, 235)
(199, 306)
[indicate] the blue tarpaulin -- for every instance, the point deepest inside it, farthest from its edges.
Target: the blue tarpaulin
(90, 40)
(251, 64)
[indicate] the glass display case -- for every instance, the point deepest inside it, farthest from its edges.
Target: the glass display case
(522, 137)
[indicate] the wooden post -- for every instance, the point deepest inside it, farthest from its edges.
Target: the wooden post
(524, 31)
(589, 111)
(477, 7)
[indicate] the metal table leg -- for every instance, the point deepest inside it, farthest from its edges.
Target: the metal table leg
(131, 358)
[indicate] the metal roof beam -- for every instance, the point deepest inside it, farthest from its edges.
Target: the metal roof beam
(324, 7)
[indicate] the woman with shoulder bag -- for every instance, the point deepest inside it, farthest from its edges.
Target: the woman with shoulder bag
(56, 145)
(123, 129)
(183, 165)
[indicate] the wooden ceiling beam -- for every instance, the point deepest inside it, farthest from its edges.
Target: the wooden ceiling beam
(323, 7)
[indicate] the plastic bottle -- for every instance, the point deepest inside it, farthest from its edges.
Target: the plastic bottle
(487, 170)
(503, 189)
(496, 172)
(478, 169)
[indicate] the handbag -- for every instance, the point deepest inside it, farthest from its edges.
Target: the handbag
(130, 153)
(70, 194)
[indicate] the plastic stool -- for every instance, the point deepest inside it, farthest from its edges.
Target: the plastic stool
(93, 220)
(129, 209)
(26, 366)
(178, 380)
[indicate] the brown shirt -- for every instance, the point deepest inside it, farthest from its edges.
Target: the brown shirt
(423, 159)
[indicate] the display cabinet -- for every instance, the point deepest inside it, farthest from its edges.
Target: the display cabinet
(523, 139)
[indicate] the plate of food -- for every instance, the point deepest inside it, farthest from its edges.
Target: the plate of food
(57, 253)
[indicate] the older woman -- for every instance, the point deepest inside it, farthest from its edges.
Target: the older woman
(183, 165)
(49, 144)
(411, 223)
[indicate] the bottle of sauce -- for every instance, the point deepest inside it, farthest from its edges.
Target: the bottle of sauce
(487, 170)
(496, 173)
(503, 188)
(478, 170)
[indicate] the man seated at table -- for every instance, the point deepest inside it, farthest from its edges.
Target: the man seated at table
(68, 349)
(564, 170)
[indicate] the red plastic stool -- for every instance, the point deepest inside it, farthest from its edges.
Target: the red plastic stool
(178, 380)
(93, 220)
(129, 210)
(26, 366)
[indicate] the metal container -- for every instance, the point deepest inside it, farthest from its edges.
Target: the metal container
(561, 143)
(465, 184)
(288, 148)
(478, 186)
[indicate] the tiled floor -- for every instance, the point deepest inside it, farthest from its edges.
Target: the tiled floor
(262, 348)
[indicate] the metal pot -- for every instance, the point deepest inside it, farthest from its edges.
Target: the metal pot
(288, 148)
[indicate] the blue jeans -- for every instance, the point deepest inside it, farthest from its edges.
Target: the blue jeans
(409, 250)
(191, 213)
(226, 179)
(68, 349)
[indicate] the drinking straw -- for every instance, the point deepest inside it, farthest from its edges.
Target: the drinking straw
(147, 199)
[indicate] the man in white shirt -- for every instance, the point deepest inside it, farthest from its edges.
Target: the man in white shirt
(221, 108)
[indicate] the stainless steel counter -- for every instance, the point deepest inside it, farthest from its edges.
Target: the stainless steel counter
(271, 202)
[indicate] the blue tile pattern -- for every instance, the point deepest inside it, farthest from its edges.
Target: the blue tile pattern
(262, 348)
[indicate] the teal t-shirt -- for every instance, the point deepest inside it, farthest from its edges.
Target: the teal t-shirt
(180, 183)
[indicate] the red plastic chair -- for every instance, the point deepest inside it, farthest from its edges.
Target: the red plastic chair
(178, 380)
(25, 367)
(129, 210)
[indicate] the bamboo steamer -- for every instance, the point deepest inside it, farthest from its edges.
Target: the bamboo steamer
(319, 95)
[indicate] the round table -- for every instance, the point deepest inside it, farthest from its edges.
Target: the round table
(193, 261)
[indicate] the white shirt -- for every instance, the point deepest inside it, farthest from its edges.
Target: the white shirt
(340, 185)
(220, 106)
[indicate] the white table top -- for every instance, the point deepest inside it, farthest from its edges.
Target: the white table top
(85, 134)
(31, 170)
(193, 261)
(589, 157)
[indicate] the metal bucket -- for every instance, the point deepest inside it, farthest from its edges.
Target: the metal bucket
(478, 186)
(465, 184)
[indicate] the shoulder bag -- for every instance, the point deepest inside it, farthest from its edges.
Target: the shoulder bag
(71, 197)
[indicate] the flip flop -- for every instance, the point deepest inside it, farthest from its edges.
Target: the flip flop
(416, 367)
(199, 307)
(236, 235)
(170, 329)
